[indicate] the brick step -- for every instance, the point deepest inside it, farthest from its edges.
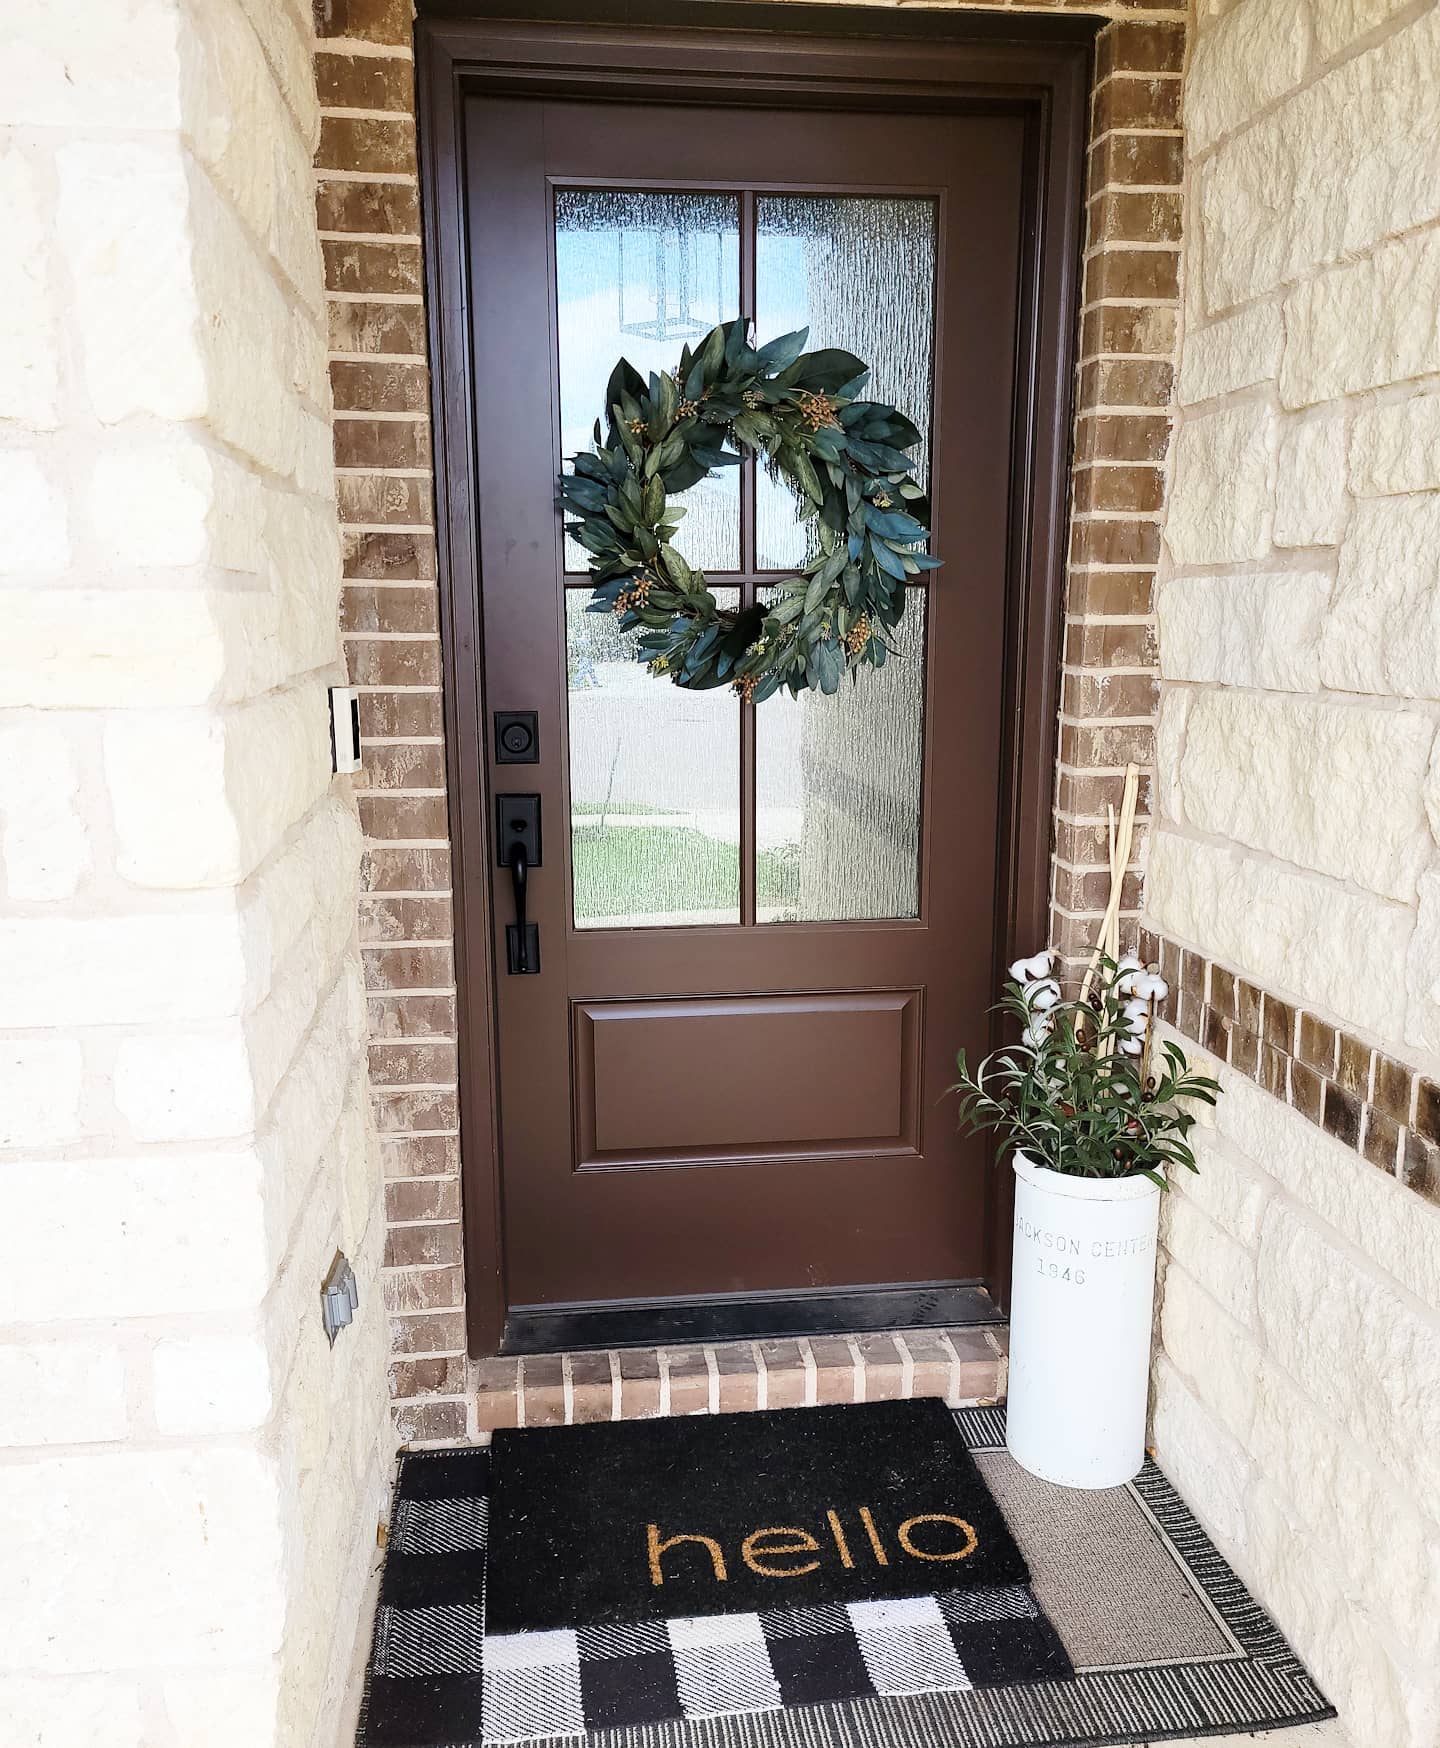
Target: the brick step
(960, 1365)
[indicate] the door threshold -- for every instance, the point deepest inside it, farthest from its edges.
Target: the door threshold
(552, 1329)
(962, 1366)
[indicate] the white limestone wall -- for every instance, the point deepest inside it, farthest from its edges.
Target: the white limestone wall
(189, 1477)
(1297, 1397)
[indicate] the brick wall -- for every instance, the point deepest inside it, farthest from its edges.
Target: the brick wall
(191, 1476)
(369, 222)
(1293, 888)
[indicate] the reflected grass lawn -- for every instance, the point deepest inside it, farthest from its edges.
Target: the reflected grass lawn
(641, 870)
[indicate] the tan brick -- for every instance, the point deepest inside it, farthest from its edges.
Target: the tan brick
(423, 1246)
(364, 387)
(389, 609)
(1122, 489)
(735, 1362)
(1106, 745)
(396, 329)
(401, 715)
(1139, 437)
(431, 1422)
(1120, 217)
(1110, 645)
(386, 920)
(385, 268)
(437, 1376)
(379, 498)
(1139, 46)
(364, 82)
(380, 21)
(422, 1199)
(981, 1370)
(1101, 694)
(496, 1394)
(380, 208)
(400, 557)
(1147, 328)
(689, 1380)
(834, 1368)
(1115, 541)
(401, 765)
(639, 1383)
(405, 869)
(542, 1390)
(405, 816)
(784, 1374)
(884, 1372)
(401, 1113)
(1110, 594)
(439, 1332)
(419, 1155)
(592, 1387)
(440, 1289)
(1135, 273)
(1126, 101)
(353, 143)
(381, 662)
(1126, 382)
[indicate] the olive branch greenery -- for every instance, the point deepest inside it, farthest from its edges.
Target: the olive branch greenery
(846, 460)
(1086, 1092)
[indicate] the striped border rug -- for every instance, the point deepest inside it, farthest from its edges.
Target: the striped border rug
(1165, 1641)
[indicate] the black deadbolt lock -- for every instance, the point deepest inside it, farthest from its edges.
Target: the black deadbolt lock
(517, 737)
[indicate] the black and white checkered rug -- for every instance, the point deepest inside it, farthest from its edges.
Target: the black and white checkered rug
(978, 1668)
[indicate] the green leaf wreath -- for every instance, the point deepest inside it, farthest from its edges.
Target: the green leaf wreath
(846, 460)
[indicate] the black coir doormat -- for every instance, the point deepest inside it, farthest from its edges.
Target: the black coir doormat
(723, 1514)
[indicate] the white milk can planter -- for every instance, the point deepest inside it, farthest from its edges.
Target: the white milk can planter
(1082, 1297)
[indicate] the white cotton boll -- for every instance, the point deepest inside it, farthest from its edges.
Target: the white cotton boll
(1043, 995)
(1036, 1032)
(1132, 1046)
(1149, 987)
(1032, 969)
(1127, 970)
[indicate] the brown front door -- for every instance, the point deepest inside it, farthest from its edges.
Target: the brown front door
(762, 932)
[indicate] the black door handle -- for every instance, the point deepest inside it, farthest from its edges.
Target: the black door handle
(517, 842)
(519, 879)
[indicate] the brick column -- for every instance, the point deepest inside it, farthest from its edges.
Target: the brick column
(1122, 438)
(369, 220)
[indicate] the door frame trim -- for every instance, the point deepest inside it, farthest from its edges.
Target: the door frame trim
(751, 53)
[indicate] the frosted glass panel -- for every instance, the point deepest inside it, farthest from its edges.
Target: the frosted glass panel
(638, 275)
(654, 784)
(837, 791)
(859, 273)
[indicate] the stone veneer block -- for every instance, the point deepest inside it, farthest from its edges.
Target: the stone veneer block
(1221, 505)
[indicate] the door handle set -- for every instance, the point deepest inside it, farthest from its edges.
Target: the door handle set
(518, 848)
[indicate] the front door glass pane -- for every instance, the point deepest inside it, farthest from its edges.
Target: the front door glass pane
(859, 272)
(654, 784)
(837, 791)
(638, 275)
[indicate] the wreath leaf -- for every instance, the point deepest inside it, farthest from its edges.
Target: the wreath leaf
(847, 462)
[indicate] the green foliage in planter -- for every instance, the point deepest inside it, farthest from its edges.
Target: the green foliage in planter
(1086, 1092)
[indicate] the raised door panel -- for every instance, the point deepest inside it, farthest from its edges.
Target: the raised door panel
(710, 1078)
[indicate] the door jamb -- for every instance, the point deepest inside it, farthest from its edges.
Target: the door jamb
(761, 54)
